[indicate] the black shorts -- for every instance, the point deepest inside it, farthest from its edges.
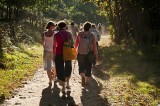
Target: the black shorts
(63, 69)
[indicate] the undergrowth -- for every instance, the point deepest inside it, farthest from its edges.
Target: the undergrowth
(20, 64)
(132, 75)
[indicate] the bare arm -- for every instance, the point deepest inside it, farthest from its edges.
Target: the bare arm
(95, 47)
(43, 43)
(77, 29)
(71, 38)
(77, 41)
(54, 47)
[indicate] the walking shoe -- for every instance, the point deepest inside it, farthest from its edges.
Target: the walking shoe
(87, 83)
(68, 87)
(56, 79)
(63, 95)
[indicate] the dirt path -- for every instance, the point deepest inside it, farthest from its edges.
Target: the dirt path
(37, 93)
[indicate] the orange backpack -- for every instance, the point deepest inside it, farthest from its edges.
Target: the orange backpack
(69, 52)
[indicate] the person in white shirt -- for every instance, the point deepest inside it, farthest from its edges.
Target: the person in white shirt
(99, 28)
(95, 32)
(74, 30)
(48, 41)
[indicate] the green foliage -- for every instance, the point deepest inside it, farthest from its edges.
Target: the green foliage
(56, 10)
(137, 19)
(73, 10)
(19, 65)
(133, 76)
(87, 12)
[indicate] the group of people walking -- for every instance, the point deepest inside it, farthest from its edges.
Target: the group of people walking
(85, 42)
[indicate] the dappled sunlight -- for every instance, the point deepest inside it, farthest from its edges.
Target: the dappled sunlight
(19, 66)
(121, 69)
(105, 41)
(119, 60)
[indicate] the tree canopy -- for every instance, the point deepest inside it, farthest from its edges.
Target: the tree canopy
(130, 20)
(133, 19)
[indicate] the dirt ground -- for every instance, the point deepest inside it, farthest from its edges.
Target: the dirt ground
(37, 92)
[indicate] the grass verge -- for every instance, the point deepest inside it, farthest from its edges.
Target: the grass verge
(128, 76)
(20, 64)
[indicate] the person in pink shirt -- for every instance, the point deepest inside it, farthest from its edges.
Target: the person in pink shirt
(63, 68)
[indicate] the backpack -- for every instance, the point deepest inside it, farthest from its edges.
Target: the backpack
(85, 43)
(69, 52)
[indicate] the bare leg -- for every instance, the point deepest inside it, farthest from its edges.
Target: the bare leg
(67, 81)
(87, 79)
(63, 90)
(49, 76)
(62, 83)
(54, 73)
(83, 79)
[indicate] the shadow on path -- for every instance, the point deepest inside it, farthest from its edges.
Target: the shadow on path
(52, 97)
(91, 93)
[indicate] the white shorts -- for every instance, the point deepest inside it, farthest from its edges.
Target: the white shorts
(48, 63)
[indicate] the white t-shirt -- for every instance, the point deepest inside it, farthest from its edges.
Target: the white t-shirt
(95, 33)
(48, 43)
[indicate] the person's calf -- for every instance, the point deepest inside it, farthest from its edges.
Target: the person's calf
(50, 77)
(83, 79)
(87, 79)
(67, 82)
(63, 95)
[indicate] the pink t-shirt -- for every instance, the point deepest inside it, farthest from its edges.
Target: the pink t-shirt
(60, 41)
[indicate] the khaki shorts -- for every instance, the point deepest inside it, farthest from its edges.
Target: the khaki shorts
(48, 63)
(85, 63)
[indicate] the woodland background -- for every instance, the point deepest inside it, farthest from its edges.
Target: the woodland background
(133, 25)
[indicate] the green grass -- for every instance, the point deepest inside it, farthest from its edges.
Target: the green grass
(20, 64)
(133, 75)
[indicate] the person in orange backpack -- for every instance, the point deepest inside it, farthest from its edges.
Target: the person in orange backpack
(63, 68)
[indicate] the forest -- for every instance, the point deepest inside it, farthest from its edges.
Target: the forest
(17, 16)
(131, 23)
(134, 19)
